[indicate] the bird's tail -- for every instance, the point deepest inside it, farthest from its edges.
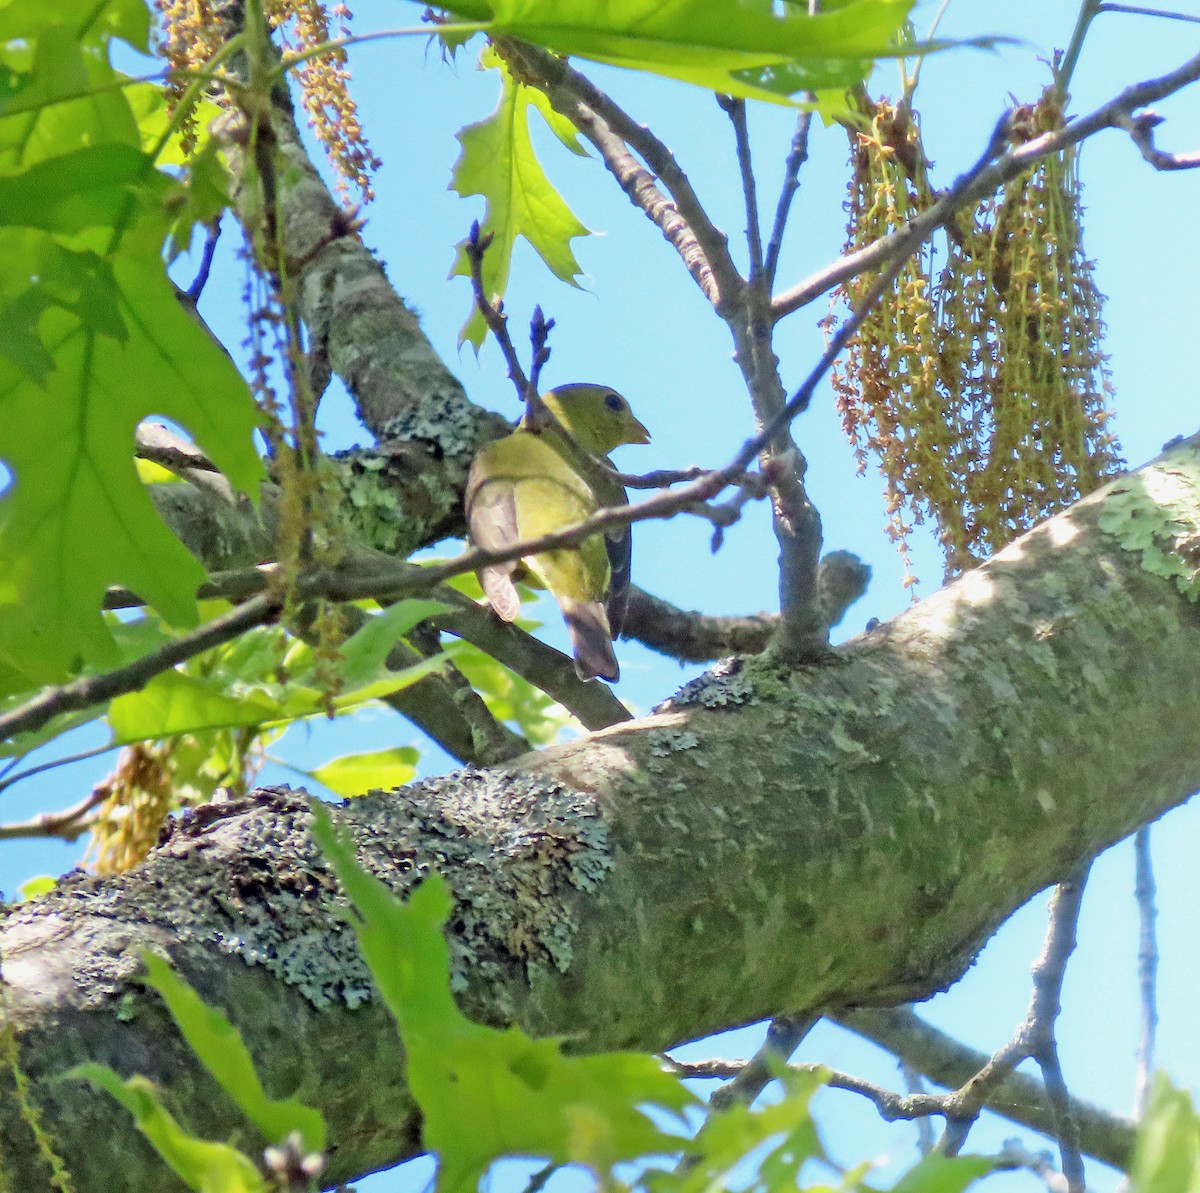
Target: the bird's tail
(591, 639)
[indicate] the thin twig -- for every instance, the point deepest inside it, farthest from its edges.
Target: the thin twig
(1012, 1156)
(1141, 131)
(1164, 13)
(1034, 1039)
(1021, 1098)
(493, 315)
(69, 824)
(1048, 975)
(892, 1106)
(797, 156)
(914, 1083)
(206, 259)
(1147, 965)
(539, 336)
(541, 1178)
(735, 109)
(1064, 68)
(663, 478)
(83, 755)
(1006, 167)
(96, 689)
(161, 446)
(783, 1038)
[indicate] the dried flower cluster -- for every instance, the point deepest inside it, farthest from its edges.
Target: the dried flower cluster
(980, 389)
(191, 34)
(153, 779)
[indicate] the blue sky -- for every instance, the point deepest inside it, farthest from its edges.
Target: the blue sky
(640, 325)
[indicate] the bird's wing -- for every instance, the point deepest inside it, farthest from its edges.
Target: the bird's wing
(491, 507)
(619, 544)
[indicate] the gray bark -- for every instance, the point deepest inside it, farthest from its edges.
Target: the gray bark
(771, 840)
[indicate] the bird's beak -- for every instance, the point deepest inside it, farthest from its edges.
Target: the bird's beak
(638, 433)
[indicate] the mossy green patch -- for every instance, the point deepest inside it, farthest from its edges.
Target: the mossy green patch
(1156, 513)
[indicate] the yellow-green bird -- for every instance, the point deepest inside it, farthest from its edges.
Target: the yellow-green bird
(529, 484)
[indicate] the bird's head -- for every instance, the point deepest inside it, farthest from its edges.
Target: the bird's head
(596, 415)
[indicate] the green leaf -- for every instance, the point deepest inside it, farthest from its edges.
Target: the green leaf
(34, 888)
(721, 1149)
(86, 188)
(204, 181)
(521, 1096)
(62, 101)
(91, 23)
(204, 196)
(240, 685)
(354, 774)
(721, 45)
(1166, 1156)
(174, 702)
(509, 698)
(498, 162)
(218, 1046)
(77, 519)
(364, 651)
(94, 341)
(944, 1174)
(202, 1166)
(39, 274)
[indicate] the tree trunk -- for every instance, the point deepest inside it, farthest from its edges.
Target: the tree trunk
(768, 841)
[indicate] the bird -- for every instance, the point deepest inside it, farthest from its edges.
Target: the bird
(528, 484)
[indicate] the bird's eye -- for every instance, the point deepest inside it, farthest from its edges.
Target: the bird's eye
(614, 402)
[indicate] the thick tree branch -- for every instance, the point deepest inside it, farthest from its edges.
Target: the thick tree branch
(609, 127)
(851, 871)
(404, 394)
(693, 637)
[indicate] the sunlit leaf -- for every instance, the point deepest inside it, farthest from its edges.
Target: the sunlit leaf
(219, 1047)
(355, 774)
(715, 44)
(498, 162)
(94, 341)
(203, 1166)
(174, 702)
(721, 1149)
(33, 888)
(1166, 1156)
(363, 652)
(77, 519)
(87, 188)
(944, 1174)
(521, 1096)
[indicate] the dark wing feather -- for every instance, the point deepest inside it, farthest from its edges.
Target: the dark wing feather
(619, 543)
